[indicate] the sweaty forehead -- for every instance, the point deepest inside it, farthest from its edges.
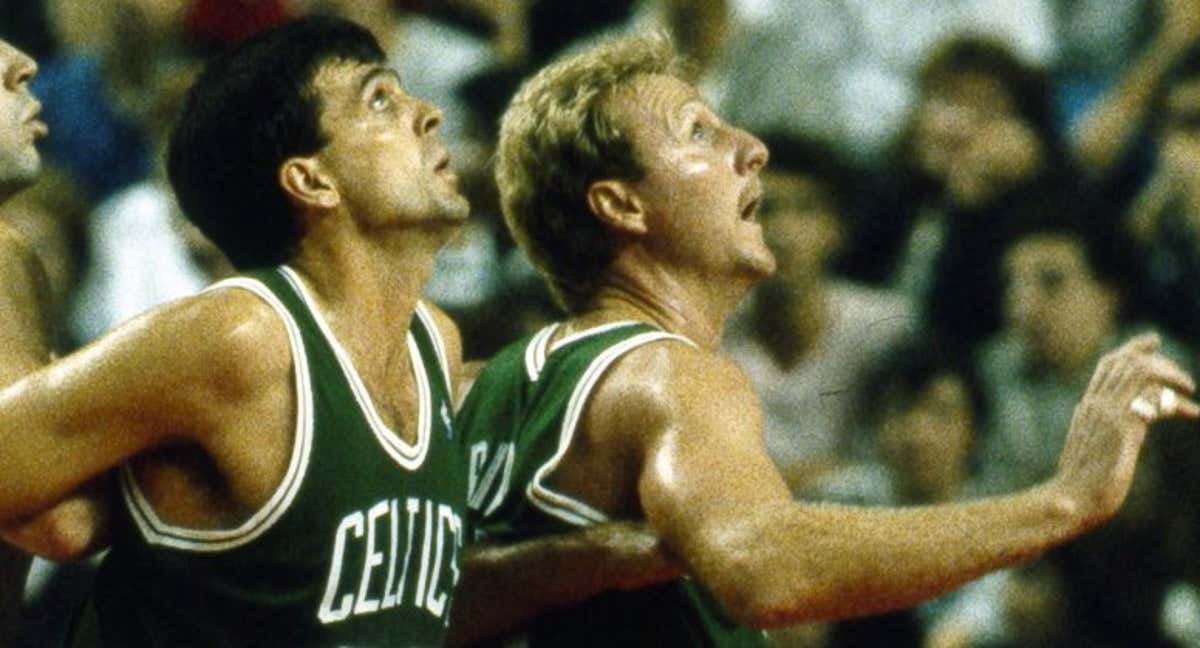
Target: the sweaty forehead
(654, 98)
(340, 77)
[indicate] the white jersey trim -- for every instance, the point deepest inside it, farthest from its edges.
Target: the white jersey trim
(408, 456)
(595, 330)
(439, 345)
(535, 353)
(559, 505)
(157, 532)
(540, 347)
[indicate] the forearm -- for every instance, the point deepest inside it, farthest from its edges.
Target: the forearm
(710, 490)
(505, 586)
(804, 562)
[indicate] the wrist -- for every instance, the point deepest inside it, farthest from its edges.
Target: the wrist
(1063, 506)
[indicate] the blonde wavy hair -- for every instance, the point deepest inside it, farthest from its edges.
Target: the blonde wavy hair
(558, 136)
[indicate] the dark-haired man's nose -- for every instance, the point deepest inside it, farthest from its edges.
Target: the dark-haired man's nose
(18, 69)
(429, 119)
(752, 154)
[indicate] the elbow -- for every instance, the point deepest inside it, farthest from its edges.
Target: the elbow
(60, 536)
(774, 597)
(756, 592)
(757, 607)
(68, 543)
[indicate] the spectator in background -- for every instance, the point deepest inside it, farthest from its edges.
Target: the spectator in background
(847, 71)
(220, 23)
(1165, 220)
(1064, 290)
(1109, 136)
(807, 337)
(142, 250)
(928, 410)
(923, 410)
(981, 144)
(701, 29)
(1166, 224)
(1095, 41)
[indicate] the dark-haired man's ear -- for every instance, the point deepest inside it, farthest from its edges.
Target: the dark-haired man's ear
(306, 184)
(617, 206)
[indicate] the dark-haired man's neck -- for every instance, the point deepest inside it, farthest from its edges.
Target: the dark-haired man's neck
(369, 283)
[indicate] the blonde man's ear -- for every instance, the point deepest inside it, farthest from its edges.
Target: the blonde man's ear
(617, 206)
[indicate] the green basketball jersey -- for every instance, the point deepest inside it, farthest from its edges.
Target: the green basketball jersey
(518, 422)
(358, 546)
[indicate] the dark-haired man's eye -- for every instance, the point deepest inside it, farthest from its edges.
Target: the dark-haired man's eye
(379, 100)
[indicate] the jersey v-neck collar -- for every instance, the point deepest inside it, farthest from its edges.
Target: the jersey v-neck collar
(409, 455)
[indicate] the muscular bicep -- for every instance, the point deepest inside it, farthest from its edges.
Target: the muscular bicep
(706, 476)
(158, 379)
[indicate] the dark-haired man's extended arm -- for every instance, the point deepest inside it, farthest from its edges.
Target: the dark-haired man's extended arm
(207, 370)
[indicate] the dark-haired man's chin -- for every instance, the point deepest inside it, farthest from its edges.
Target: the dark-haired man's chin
(758, 264)
(460, 209)
(452, 212)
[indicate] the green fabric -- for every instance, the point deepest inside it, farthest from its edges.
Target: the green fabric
(306, 579)
(514, 421)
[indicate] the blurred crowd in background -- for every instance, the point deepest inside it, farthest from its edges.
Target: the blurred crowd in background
(970, 202)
